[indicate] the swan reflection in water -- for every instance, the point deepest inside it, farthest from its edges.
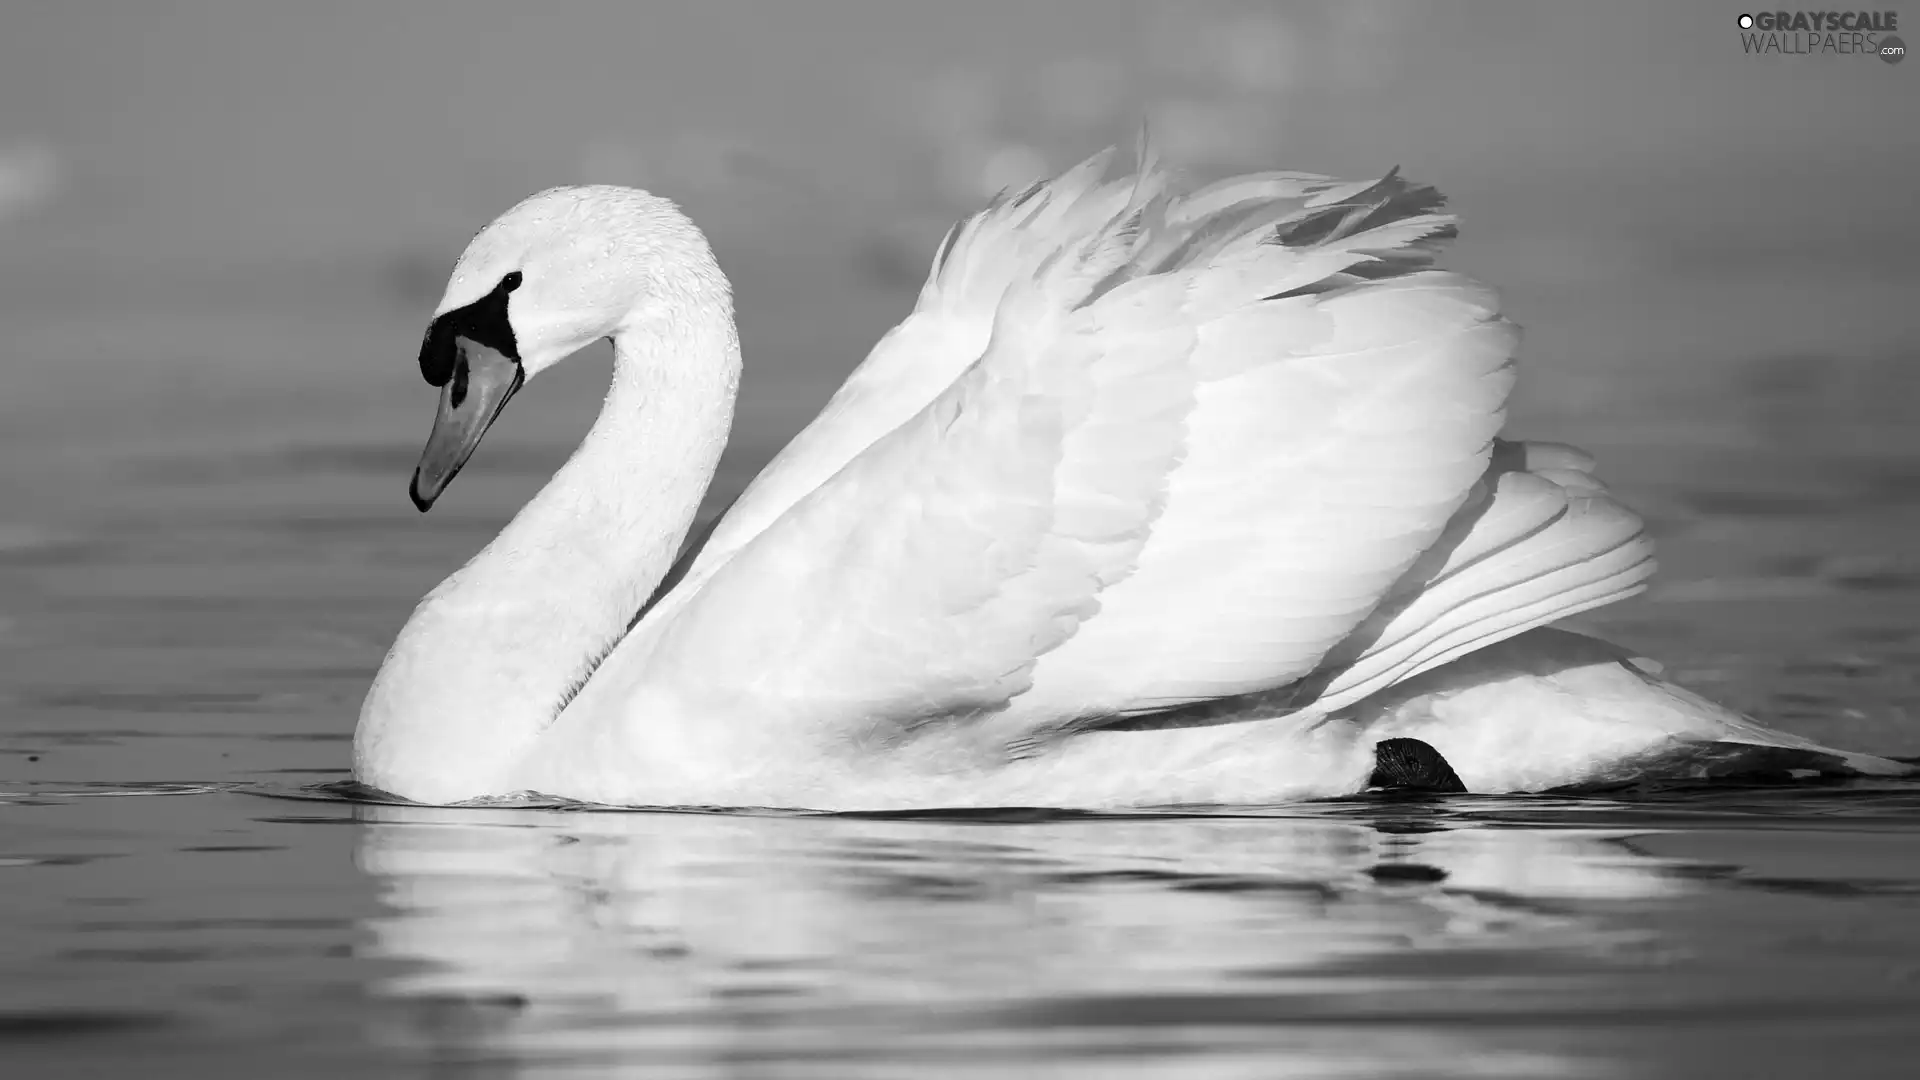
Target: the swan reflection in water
(1332, 945)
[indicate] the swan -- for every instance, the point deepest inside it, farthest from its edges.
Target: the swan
(1157, 496)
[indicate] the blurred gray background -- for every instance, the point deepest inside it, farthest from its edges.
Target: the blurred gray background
(224, 225)
(226, 216)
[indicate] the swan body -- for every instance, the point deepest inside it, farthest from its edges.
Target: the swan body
(1155, 497)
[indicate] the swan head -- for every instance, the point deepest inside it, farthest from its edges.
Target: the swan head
(561, 270)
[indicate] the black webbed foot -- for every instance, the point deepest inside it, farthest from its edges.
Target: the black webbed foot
(1411, 765)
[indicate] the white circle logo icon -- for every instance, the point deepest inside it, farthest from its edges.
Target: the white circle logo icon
(1746, 22)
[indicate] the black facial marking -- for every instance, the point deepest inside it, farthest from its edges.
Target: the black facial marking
(484, 322)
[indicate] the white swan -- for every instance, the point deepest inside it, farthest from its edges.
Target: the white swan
(1155, 497)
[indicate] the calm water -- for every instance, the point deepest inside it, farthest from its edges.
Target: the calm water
(196, 586)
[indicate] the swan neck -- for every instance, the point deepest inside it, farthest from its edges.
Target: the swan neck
(491, 655)
(624, 502)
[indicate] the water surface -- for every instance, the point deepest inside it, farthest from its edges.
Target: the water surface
(196, 583)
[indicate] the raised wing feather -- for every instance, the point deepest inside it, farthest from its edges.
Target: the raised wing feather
(1540, 540)
(983, 255)
(1313, 480)
(948, 330)
(1200, 448)
(1537, 540)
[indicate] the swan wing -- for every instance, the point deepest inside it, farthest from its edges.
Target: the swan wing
(976, 263)
(1537, 540)
(916, 360)
(1199, 448)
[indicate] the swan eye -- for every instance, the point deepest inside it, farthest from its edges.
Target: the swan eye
(511, 281)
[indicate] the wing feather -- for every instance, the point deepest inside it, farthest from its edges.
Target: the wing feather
(1137, 451)
(977, 261)
(1128, 499)
(1541, 552)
